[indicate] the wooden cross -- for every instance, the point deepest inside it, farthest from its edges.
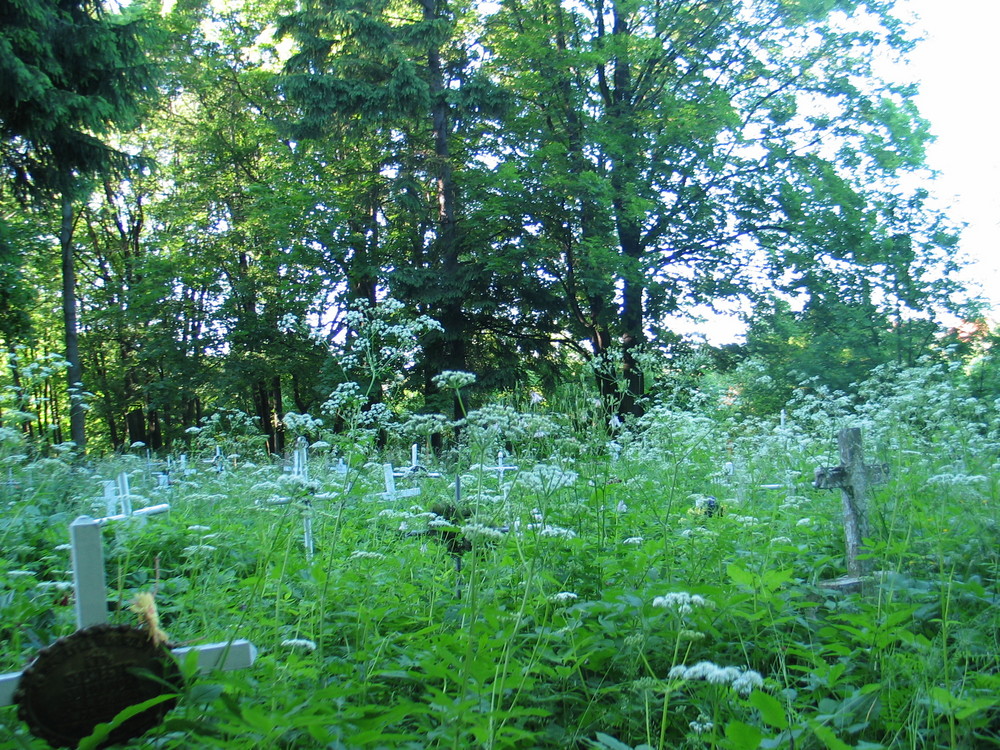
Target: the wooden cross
(853, 477)
(92, 609)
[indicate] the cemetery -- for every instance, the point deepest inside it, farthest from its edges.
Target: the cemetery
(826, 579)
(500, 374)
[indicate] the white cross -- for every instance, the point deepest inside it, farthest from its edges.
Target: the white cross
(391, 493)
(501, 467)
(92, 609)
(414, 467)
(118, 501)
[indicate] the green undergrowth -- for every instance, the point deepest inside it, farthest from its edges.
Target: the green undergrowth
(666, 587)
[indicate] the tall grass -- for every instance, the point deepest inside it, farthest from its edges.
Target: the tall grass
(646, 589)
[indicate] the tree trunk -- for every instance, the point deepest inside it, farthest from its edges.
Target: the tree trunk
(74, 375)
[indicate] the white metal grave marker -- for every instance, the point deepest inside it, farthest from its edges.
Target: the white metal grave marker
(415, 467)
(391, 493)
(92, 609)
(118, 501)
(501, 466)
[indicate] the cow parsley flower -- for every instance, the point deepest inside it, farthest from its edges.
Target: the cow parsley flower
(481, 530)
(303, 643)
(360, 554)
(743, 681)
(563, 597)
(682, 602)
(453, 380)
(556, 531)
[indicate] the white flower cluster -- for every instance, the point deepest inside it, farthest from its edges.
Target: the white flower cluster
(553, 531)
(303, 643)
(702, 725)
(453, 380)
(345, 397)
(682, 602)
(360, 554)
(480, 530)
(743, 681)
(563, 597)
(301, 424)
(957, 480)
(546, 478)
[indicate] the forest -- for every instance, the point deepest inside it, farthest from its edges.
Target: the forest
(358, 336)
(200, 202)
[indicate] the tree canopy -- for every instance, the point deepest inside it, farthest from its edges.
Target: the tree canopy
(550, 182)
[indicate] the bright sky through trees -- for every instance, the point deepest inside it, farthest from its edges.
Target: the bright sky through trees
(957, 64)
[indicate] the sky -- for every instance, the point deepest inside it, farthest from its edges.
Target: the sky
(957, 65)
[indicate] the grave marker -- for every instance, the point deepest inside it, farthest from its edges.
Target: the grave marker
(95, 639)
(118, 501)
(501, 466)
(415, 466)
(391, 493)
(853, 477)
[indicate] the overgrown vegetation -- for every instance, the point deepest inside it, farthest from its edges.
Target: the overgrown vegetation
(601, 599)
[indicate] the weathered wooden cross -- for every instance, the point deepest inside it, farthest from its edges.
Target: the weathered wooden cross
(92, 609)
(853, 477)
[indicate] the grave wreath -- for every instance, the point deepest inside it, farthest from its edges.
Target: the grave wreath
(105, 673)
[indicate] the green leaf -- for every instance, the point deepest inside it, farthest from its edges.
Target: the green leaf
(104, 729)
(741, 577)
(828, 737)
(771, 711)
(743, 736)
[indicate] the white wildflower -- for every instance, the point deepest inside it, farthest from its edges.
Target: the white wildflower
(556, 531)
(747, 680)
(621, 507)
(197, 528)
(682, 602)
(742, 681)
(633, 540)
(563, 597)
(701, 726)
(303, 643)
(453, 380)
(360, 554)
(546, 478)
(478, 529)
(804, 522)
(691, 635)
